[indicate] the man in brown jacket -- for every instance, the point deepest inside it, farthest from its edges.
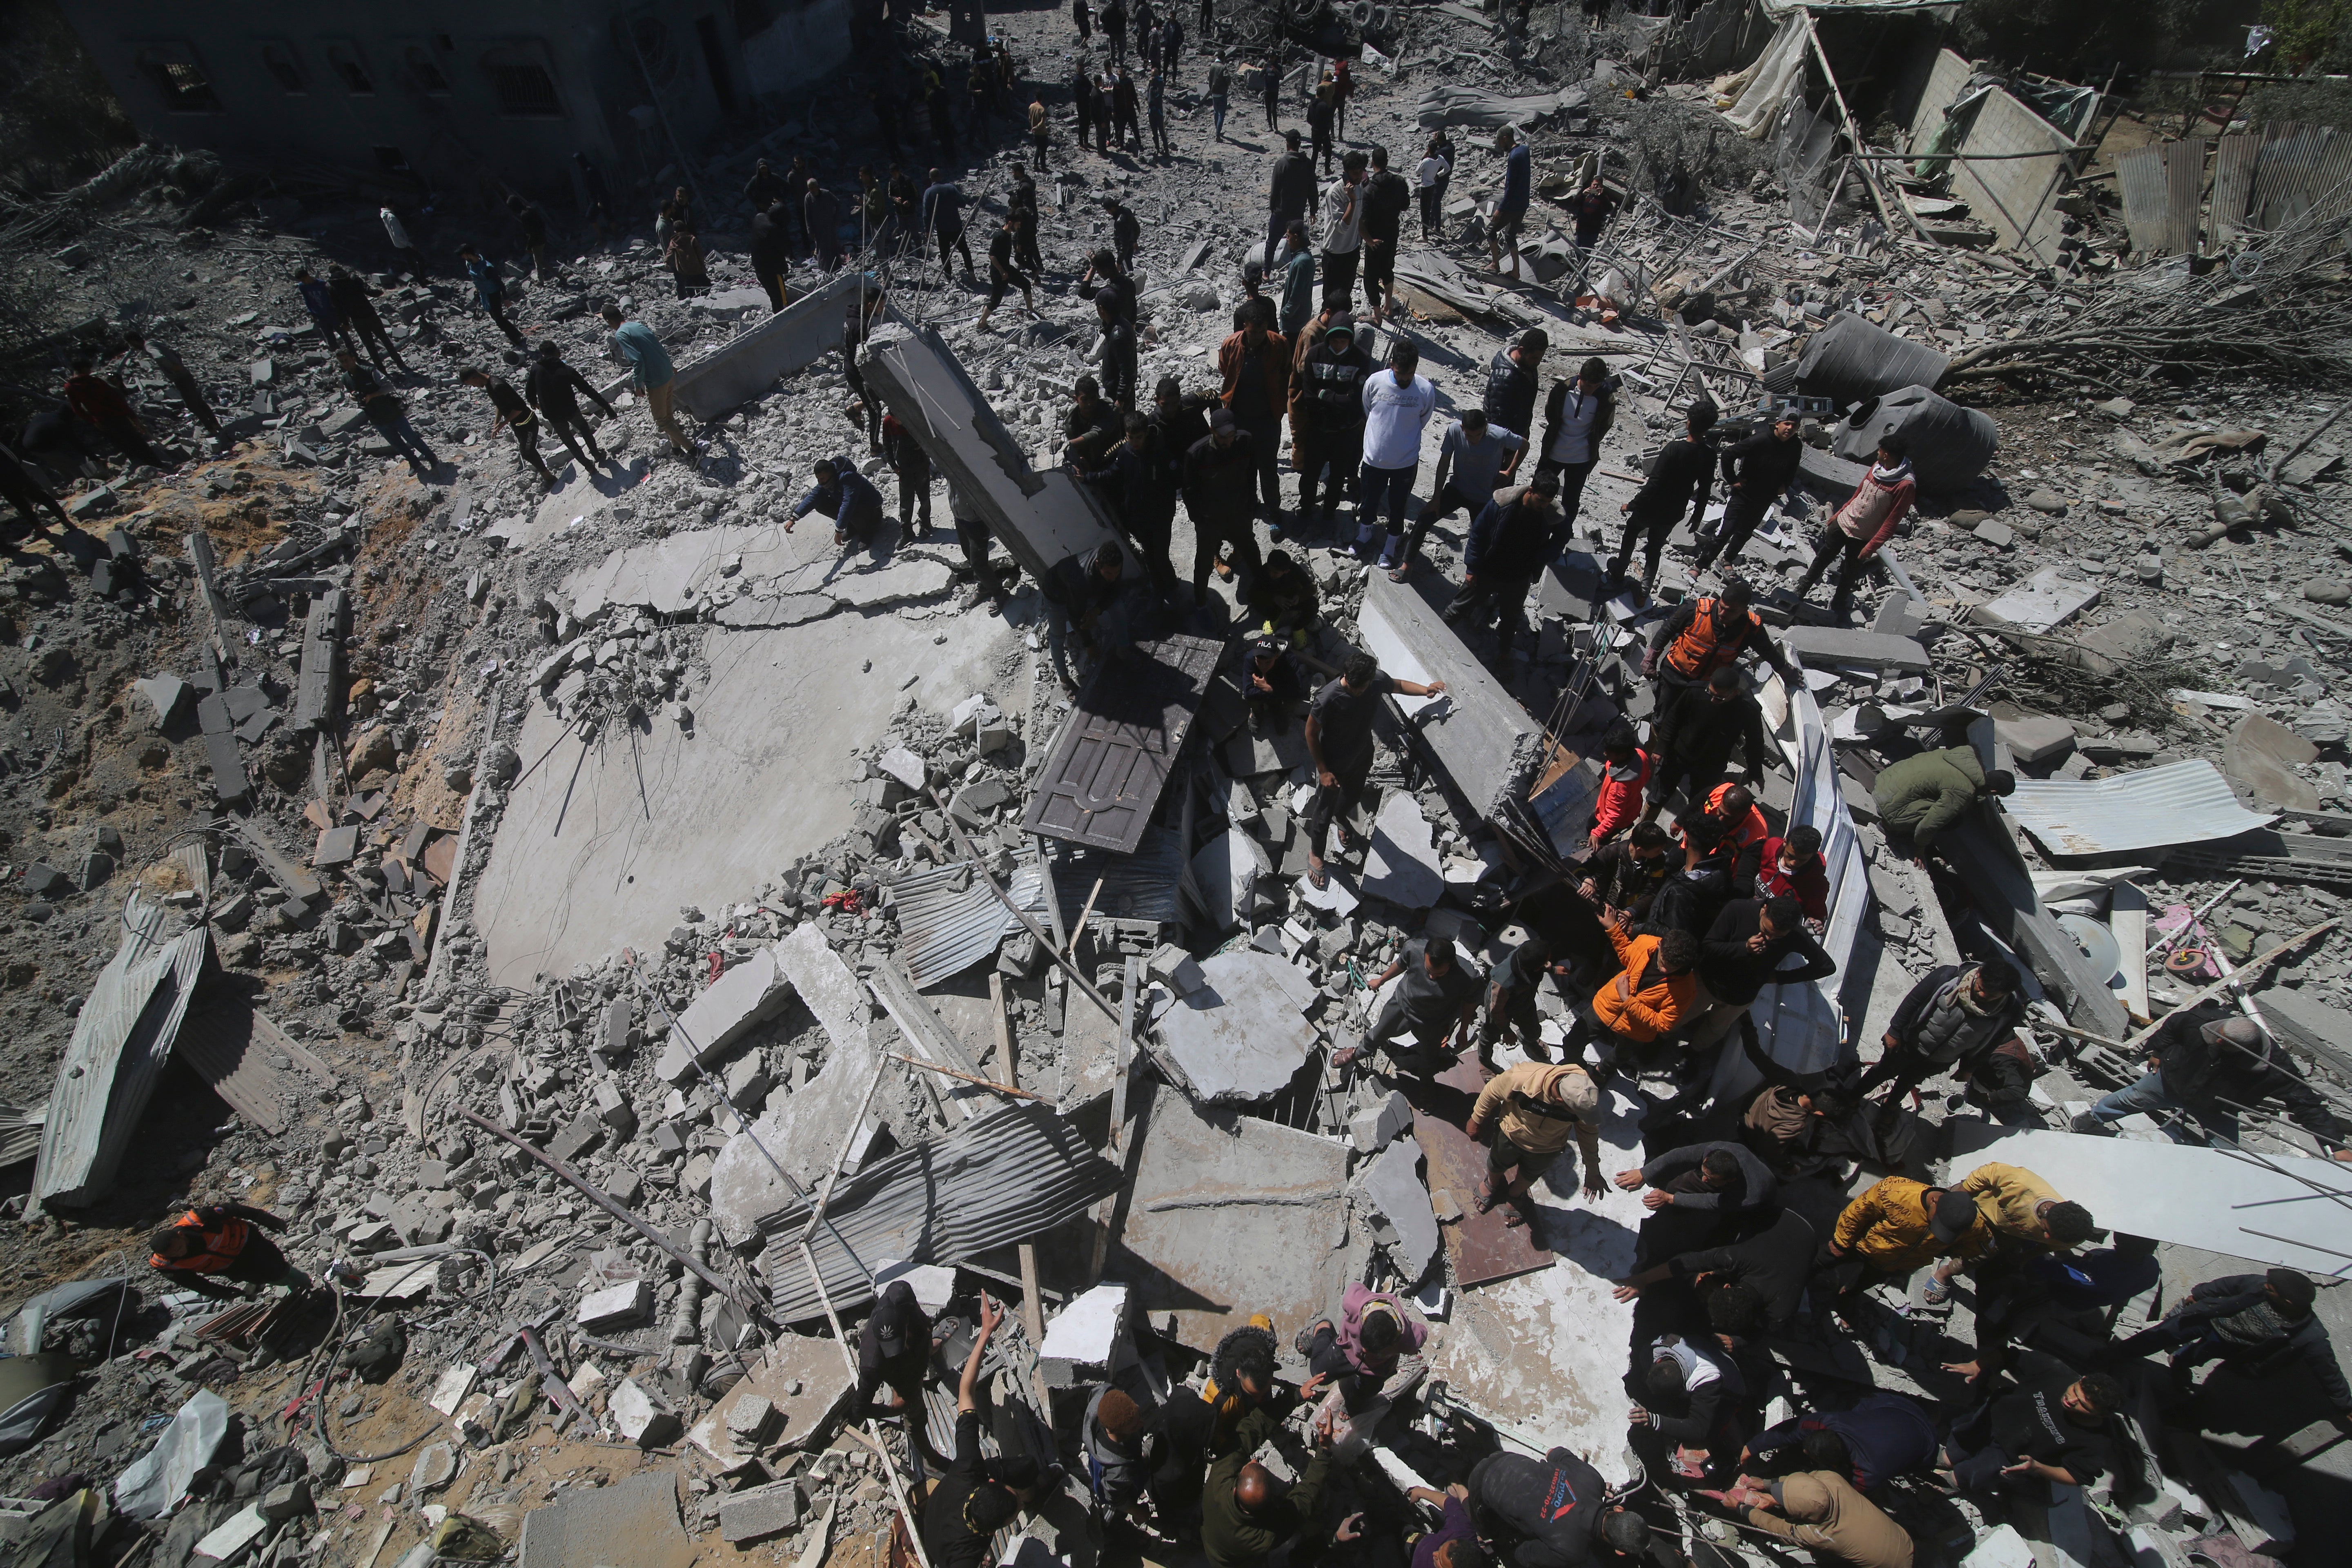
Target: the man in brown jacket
(1820, 1511)
(1256, 365)
(1531, 1111)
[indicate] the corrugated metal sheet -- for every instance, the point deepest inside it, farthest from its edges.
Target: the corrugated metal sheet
(2139, 176)
(2233, 184)
(2181, 802)
(121, 1039)
(2184, 189)
(1850, 359)
(20, 1132)
(1111, 761)
(944, 929)
(1007, 1175)
(250, 1062)
(2299, 167)
(1137, 886)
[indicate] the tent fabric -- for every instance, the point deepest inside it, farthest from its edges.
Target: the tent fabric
(1753, 99)
(1851, 359)
(158, 1480)
(32, 1389)
(1949, 445)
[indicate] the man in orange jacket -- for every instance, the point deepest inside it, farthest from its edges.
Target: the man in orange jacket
(207, 1248)
(1654, 989)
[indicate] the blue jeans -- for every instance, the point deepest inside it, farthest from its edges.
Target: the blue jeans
(1217, 114)
(2148, 1096)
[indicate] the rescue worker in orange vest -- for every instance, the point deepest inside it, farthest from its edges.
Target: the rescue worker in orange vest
(217, 1244)
(1706, 635)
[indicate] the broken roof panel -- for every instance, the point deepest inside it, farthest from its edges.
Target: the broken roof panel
(2180, 803)
(948, 919)
(1137, 887)
(1007, 1175)
(1242, 1033)
(1109, 763)
(1482, 739)
(736, 371)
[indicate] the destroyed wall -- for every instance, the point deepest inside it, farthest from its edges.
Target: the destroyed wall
(2009, 190)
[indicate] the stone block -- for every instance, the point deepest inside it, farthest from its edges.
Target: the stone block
(613, 1108)
(615, 1306)
(754, 1420)
(1375, 1128)
(2035, 738)
(583, 1134)
(754, 1515)
(736, 1002)
(642, 1416)
(436, 1466)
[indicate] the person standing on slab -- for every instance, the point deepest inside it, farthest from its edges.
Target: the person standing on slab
(384, 410)
(1291, 193)
(1857, 530)
(1511, 211)
(1256, 365)
(554, 389)
(1704, 635)
(771, 252)
(1694, 737)
(1397, 405)
(1517, 533)
(846, 496)
(1221, 475)
(651, 373)
(1526, 1116)
(1577, 419)
(1755, 472)
(1339, 744)
(1434, 1002)
(1476, 457)
(490, 290)
(1677, 487)
(912, 467)
(1326, 421)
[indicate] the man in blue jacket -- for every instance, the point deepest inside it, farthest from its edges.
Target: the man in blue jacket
(1515, 534)
(842, 494)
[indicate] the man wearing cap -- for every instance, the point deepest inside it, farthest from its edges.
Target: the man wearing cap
(1526, 1117)
(1515, 534)
(1326, 418)
(1678, 483)
(977, 1495)
(2211, 1063)
(1271, 683)
(1704, 635)
(1476, 457)
(1755, 473)
(1339, 744)
(2026, 1211)
(893, 1347)
(2255, 1320)
(1221, 476)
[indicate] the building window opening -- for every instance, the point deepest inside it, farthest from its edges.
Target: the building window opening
(349, 72)
(523, 88)
(428, 76)
(284, 67)
(182, 85)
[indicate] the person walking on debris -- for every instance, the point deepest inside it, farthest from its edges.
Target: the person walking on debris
(1512, 988)
(1291, 193)
(1511, 210)
(1922, 797)
(1386, 196)
(1119, 373)
(1577, 419)
(1955, 1020)
(1219, 93)
(651, 373)
(893, 1347)
(1704, 635)
(2211, 1064)
(2259, 1323)
(599, 198)
(28, 495)
(972, 537)
(320, 304)
(1220, 482)
(397, 233)
(1435, 1002)
(843, 495)
(183, 381)
(863, 309)
(1756, 472)
(533, 225)
(1083, 17)
(1625, 769)
(771, 253)
(1326, 421)
(1021, 207)
(944, 219)
(1127, 115)
(1339, 744)
(1429, 183)
(514, 414)
(1040, 131)
(1526, 1117)
(1171, 42)
(1271, 77)
(1856, 530)
(1113, 18)
(1126, 232)
(554, 389)
(1476, 457)
(1510, 397)
(1397, 407)
(1593, 207)
(1085, 608)
(355, 303)
(1319, 113)
(376, 398)
(977, 1495)
(1343, 229)
(1295, 263)
(1678, 485)
(912, 467)
(1695, 735)
(1142, 477)
(1255, 365)
(212, 1248)
(1516, 534)
(1553, 1513)
(689, 269)
(490, 290)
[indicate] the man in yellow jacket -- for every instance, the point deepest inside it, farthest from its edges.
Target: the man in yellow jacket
(1531, 1111)
(1655, 988)
(1899, 1226)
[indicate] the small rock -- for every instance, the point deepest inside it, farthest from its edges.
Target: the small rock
(2320, 592)
(2049, 501)
(436, 1466)
(2000, 535)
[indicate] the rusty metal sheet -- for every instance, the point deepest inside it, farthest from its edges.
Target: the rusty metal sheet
(2139, 177)
(2233, 184)
(1482, 1249)
(250, 1063)
(2184, 186)
(1104, 776)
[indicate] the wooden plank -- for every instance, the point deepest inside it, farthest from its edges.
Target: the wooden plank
(2140, 178)
(2233, 185)
(318, 691)
(2184, 184)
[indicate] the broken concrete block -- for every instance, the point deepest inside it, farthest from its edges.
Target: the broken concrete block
(613, 1108)
(757, 1513)
(644, 1418)
(615, 1306)
(1085, 1333)
(1393, 1185)
(242, 1528)
(976, 802)
(827, 986)
(624, 1187)
(1243, 1034)
(436, 1466)
(745, 996)
(337, 847)
(1402, 866)
(164, 693)
(902, 764)
(2043, 601)
(43, 880)
(1382, 1124)
(2035, 738)
(754, 1420)
(583, 1134)
(2263, 754)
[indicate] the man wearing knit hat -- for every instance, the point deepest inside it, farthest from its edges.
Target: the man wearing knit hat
(2211, 1063)
(1526, 1117)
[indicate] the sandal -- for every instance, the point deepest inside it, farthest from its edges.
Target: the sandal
(1514, 1219)
(1319, 874)
(1936, 1293)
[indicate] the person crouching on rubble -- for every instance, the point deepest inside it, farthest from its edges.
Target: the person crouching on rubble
(977, 1496)
(212, 1248)
(1433, 1003)
(1525, 1118)
(842, 493)
(1556, 1512)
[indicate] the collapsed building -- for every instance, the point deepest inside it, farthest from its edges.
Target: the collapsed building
(741, 926)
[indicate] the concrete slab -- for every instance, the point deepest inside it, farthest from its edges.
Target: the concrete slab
(803, 1378)
(1243, 1034)
(1820, 646)
(1225, 870)
(1401, 864)
(663, 575)
(598, 850)
(1483, 740)
(802, 1133)
(2261, 754)
(826, 986)
(2043, 601)
(633, 1520)
(1230, 1214)
(729, 1008)
(1086, 1331)
(794, 338)
(1391, 1184)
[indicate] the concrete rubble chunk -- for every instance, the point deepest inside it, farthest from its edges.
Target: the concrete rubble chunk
(802, 1132)
(1402, 865)
(1086, 1331)
(2263, 754)
(801, 1380)
(436, 1466)
(1226, 871)
(2035, 738)
(2043, 601)
(580, 1529)
(1243, 1034)
(642, 1417)
(1376, 1127)
(749, 1516)
(902, 764)
(745, 996)
(615, 1306)
(827, 985)
(248, 1524)
(164, 693)
(1393, 1185)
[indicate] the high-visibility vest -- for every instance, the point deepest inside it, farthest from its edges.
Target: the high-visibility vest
(221, 1247)
(1711, 641)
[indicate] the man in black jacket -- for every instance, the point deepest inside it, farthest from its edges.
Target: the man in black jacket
(356, 302)
(1695, 735)
(1775, 1263)
(1577, 417)
(1954, 1020)
(2259, 1319)
(554, 388)
(2211, 1063)
(1512, 382)
(1221, 473)
(1141, 477)
(771, 251)
(1756, 471)
(1554, 1511)
(1386, 196)
(1510, 544)
(1290, 192)
(1741, 954)
(1327, 419)
(1679, 481)
(1704, 635)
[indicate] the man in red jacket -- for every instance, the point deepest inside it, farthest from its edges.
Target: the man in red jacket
(1625, 768)
(1792, 867)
